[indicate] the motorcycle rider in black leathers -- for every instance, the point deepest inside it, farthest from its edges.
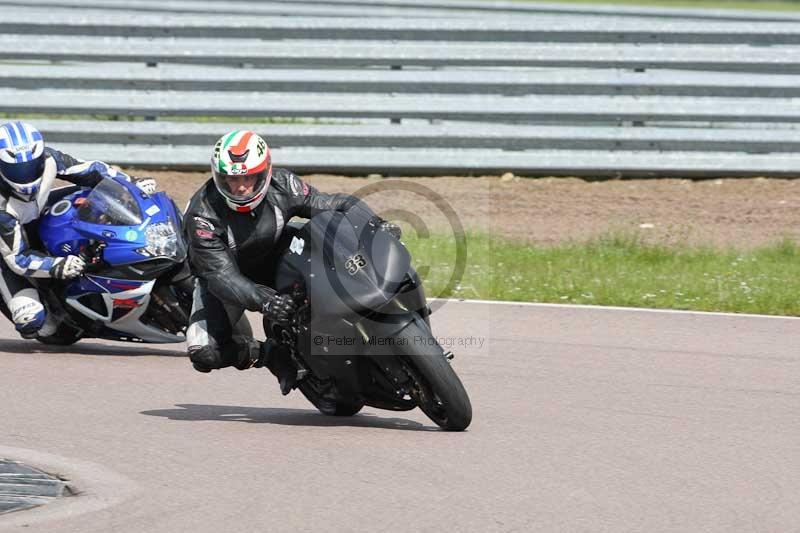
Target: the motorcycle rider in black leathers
(233, 224)
(28, 171)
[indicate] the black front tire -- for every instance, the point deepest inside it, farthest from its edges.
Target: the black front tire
(438, 390)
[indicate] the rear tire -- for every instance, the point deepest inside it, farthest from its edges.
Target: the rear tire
(439, 392)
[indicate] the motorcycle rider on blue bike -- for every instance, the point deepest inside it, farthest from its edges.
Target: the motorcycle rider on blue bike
(234, 224)
(28, 170)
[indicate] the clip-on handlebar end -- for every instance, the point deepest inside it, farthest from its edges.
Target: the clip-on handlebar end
(92, 255)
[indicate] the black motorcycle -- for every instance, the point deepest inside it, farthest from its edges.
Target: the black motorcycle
(362, 333)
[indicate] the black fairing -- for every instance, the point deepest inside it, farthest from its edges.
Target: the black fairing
(350, 269)
(349, 307)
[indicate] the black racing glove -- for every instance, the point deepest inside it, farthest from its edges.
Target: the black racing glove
(276, 307)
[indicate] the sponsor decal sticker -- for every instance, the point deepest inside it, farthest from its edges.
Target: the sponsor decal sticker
(127, 303)
(152, 210)
(202, 223)
(297, 246)
(131, 235)
(238, 169)
(23, 147)
(355, 263)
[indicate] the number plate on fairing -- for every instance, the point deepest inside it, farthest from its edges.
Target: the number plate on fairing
(355, 263)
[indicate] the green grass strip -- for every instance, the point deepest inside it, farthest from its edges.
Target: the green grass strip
(615, 271)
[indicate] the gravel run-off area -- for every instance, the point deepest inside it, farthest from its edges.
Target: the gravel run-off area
(738, 212)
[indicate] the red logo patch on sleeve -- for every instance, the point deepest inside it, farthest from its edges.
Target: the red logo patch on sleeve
(204, 234)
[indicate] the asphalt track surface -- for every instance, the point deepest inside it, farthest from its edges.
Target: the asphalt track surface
(584, 420)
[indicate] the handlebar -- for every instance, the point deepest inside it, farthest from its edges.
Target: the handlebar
(93, 256)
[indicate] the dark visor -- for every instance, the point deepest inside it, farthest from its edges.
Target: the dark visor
(23, 173)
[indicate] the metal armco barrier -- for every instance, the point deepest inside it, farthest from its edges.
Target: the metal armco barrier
(412, 86)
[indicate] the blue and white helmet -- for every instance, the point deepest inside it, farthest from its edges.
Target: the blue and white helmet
(21, 159)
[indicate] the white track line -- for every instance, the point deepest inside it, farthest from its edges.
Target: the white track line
(611, 308)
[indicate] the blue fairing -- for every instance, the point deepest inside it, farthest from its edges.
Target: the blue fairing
(63, 233)
(120, 215)
(92, 283)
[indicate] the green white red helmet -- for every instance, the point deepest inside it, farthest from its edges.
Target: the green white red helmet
(242, 153)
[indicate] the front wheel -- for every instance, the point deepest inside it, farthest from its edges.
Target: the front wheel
(437, 389)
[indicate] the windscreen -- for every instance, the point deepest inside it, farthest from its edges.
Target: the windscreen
(110, 204)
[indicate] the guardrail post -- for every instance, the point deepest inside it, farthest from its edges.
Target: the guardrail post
(396, 120)
(638, 123)
(151, 65)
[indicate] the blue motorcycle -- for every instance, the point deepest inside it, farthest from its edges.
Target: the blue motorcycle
(137, 286)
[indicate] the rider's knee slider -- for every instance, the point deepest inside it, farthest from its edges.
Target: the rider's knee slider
(205, 357)
(29, 319)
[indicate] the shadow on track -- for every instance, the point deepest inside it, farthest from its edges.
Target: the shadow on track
(87, 348)
(286, 417)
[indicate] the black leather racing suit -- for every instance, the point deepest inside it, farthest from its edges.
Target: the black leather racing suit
(231, 255)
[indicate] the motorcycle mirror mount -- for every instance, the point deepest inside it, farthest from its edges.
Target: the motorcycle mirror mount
(93, 254)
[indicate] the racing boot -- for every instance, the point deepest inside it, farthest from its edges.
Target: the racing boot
(240, 352)
(278, 359)
(245, 352)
